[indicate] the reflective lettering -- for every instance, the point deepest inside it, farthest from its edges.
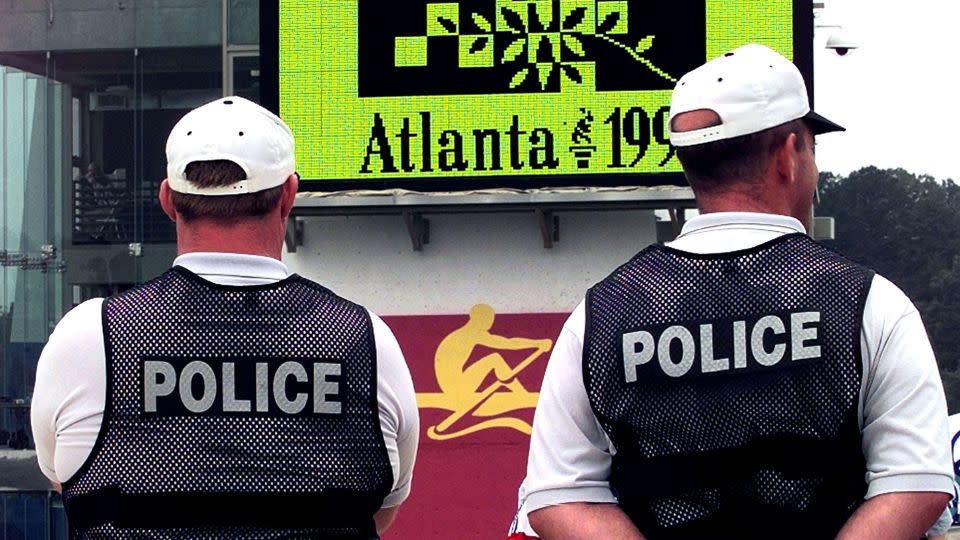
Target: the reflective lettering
(709, 364)
(764, 357)
(671, 368)
(244, 386)
(323, 388)
(263, 387)
(739, 344)
(287, 405)
(720, 346)
(800, 333)
(632, 357)
(209, 391)
(230, 401)
(152, 387)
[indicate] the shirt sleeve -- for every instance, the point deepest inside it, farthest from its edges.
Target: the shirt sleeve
(399, 416)
(70, 391)
(520, 526)
(942, 525)
(570, 454)
(904, 416)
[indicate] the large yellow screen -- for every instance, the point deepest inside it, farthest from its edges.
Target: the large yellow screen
(397, 90)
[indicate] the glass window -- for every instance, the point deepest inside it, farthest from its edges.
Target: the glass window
(84, 130)
(34, 125)
(243, 22)
(246, 75)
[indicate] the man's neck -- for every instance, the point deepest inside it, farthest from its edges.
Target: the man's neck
(248, 237)
(758, 202)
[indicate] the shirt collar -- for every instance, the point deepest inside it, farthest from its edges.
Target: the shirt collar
(233, 265)
(740, 220)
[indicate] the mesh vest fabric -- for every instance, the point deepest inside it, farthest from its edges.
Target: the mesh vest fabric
(254, 474)
(751, 451)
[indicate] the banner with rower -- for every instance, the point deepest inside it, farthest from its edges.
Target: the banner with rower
(477, 378)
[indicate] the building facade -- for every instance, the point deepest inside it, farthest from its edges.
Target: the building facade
(89, 90)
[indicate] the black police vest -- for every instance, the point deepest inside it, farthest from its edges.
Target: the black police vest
(234, 412)
(729, 386)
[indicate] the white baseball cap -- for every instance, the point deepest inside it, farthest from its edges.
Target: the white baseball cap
(751, 88)
(233, 129)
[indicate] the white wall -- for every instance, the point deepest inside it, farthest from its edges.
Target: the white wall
(492, 258)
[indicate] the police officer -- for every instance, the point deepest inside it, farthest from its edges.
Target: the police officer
(226, 398)
(742, 381)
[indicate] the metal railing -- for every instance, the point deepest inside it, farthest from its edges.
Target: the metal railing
(32, 515)
(116, 212)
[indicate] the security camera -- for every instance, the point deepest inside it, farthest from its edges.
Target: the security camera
(841, 43)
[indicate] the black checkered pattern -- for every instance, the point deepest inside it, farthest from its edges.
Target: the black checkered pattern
(181, 315)
(733, 454)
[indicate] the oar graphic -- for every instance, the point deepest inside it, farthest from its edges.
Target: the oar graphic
(439, 431)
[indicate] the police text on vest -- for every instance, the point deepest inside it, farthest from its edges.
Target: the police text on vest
(716, 347)
(244, 386)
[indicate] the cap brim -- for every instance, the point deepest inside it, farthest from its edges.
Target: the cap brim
(819, 124)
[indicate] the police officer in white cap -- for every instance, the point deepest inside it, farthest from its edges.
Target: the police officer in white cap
(226, 398)
(742, 381)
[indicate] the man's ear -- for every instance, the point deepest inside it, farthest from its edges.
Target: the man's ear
(166, 200)
(289, 195)
(786, 158)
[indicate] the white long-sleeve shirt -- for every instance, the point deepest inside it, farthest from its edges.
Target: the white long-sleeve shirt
(70, 391)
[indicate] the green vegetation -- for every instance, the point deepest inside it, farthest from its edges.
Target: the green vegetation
(907, 228)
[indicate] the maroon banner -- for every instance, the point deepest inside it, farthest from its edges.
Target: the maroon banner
(477, 379)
